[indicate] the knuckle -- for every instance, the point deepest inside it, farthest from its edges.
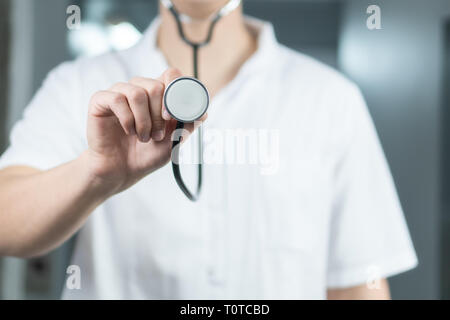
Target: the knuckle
(95, 97)
(128, 121)
(97, 94)
(156, 89)
(136, 79)
(116, 86)
(137, 95)
(117, 98)
(173, 71)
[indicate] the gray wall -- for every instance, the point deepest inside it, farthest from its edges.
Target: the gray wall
(399, 69)
(4, 73)
(38, 43)
(311, 27)
(36, 27)
(4, 57)
(445, 236)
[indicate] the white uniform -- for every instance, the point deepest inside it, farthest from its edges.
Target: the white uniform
(310, 204)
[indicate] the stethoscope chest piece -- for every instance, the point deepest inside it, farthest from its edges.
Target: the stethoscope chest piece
(186, 99)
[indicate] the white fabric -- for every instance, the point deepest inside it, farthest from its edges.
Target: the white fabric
(314, 208)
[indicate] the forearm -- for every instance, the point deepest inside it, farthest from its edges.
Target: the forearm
(362, 292)
(39, 210)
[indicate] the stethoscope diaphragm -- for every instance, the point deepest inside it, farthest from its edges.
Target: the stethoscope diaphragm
(186, 99)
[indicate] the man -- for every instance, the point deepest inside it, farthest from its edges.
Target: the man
(323, 222)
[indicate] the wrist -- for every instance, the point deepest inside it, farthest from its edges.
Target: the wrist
(100, 185)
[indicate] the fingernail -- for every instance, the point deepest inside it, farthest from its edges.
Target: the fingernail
(166, 115)
(158, 135)
(145, 137)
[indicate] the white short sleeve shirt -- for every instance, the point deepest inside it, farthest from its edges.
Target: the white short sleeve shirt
(297, 194)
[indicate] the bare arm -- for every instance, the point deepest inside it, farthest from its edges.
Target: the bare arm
(129, 137)
(361, 292)
(41, 209)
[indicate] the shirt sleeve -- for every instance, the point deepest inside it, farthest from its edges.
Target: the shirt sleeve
(50, 131)
(369, 238)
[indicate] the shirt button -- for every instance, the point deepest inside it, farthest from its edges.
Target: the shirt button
(213, 278)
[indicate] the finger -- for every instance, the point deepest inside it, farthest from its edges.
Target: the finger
(192, 126)
(167, 77)
(155, 91)
(197, 123)
(139, 104)
(204, 117)
(107, 103)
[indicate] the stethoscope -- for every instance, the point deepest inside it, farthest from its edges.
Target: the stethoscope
(186, 98)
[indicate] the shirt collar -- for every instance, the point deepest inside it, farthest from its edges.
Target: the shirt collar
(262, 58)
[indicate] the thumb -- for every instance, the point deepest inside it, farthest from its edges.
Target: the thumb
(169, 75)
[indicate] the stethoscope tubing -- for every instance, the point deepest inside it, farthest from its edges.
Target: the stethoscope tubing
(231, 5)
(180, 125)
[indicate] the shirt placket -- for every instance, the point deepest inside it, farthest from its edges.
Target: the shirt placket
(217, 227)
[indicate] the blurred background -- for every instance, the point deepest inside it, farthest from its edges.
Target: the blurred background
(403, 70)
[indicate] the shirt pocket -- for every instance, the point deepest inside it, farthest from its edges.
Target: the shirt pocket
(297, 206)
(289, 257)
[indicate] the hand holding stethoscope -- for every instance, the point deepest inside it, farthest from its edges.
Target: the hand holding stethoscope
(129, 132)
